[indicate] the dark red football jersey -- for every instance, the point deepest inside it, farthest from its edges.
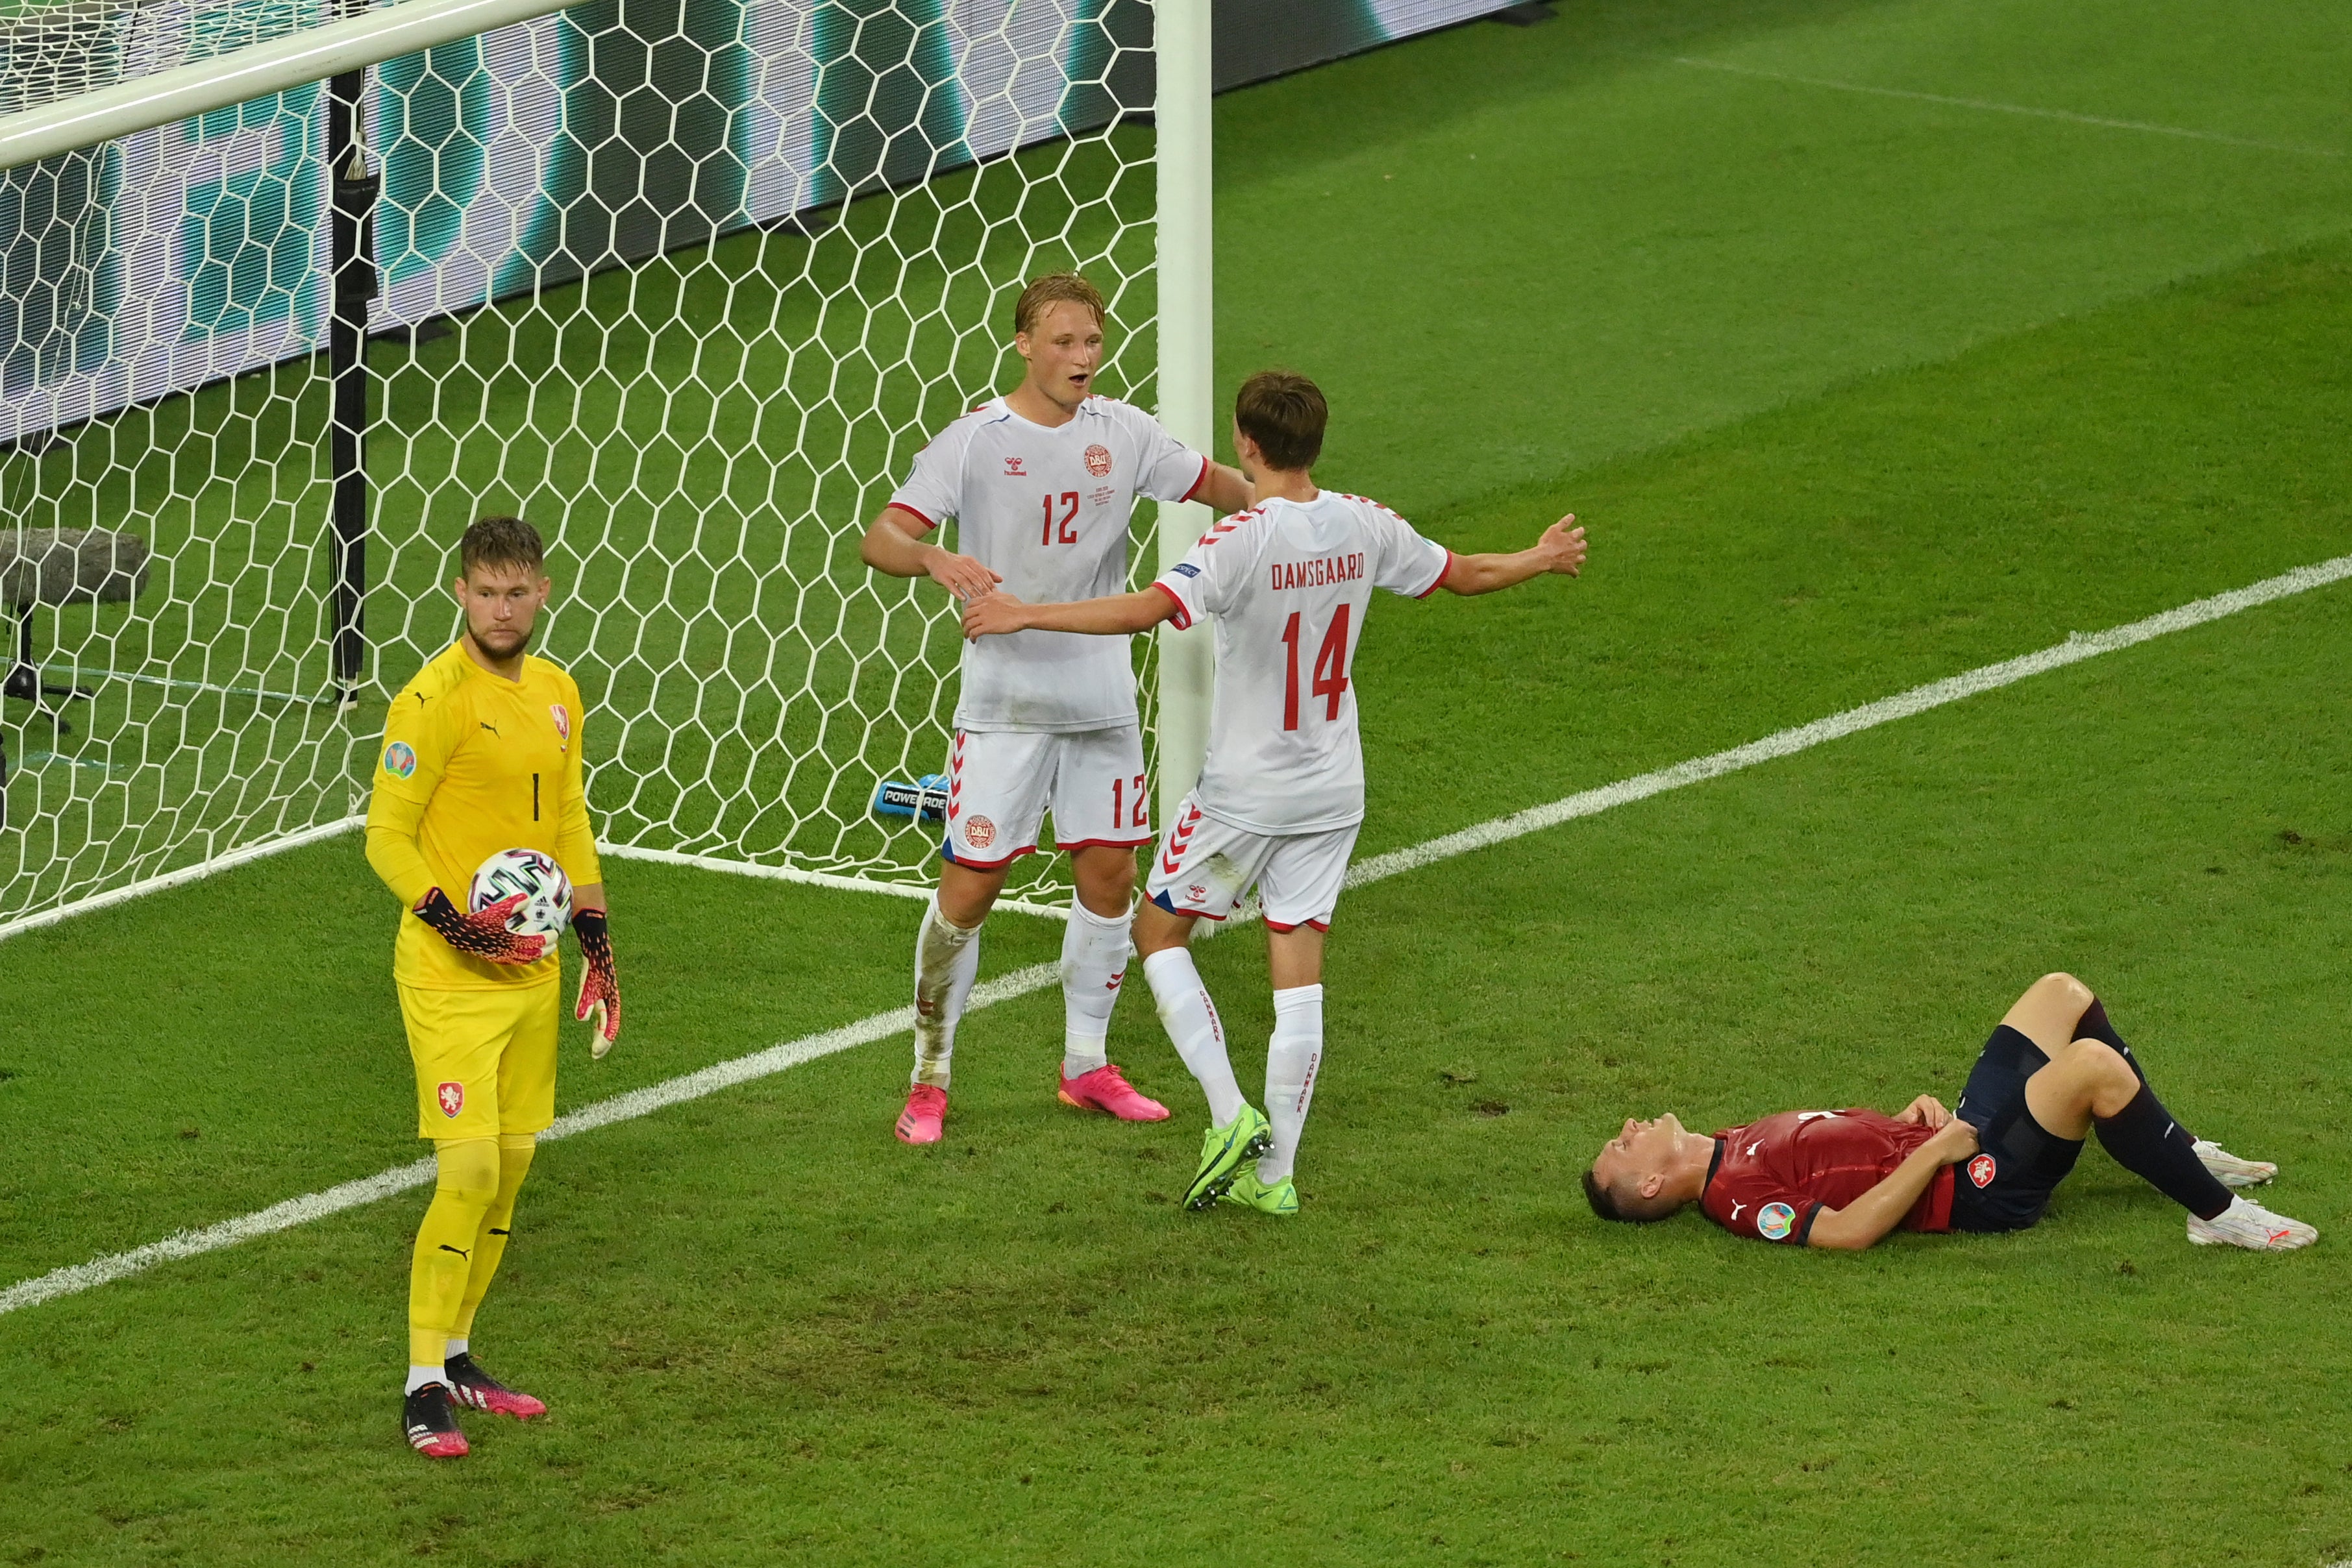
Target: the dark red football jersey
(1772, 1177)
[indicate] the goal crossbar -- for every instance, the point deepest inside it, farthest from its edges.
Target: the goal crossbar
(313, 53)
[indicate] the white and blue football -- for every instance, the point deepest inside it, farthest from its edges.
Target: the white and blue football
(546, 907)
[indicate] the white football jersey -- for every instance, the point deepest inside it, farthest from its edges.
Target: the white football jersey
(1047, 510)
(1288, 583)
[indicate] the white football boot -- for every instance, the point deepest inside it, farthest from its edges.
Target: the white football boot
(2248, 1224)
(2231, 1171)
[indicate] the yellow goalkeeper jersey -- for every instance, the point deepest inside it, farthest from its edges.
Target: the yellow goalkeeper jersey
(472, 764)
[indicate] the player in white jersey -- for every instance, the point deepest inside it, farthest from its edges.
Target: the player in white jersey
(1040, 482)
(1282, 791)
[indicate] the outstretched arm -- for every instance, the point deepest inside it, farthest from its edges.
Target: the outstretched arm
(893, 545)
(1561, 549)
(993, 614)
(1861, 1223)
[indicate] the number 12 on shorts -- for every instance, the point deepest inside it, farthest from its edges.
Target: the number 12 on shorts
(1118, 788)
(1330, 674)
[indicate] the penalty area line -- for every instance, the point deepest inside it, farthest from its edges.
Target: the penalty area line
(1992, 106)
(638, 1102)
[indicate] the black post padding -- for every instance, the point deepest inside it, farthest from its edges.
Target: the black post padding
(356, 282)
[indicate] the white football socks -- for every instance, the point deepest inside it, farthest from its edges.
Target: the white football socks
(1094, 962)
(456, 1348)
(418, 1376)
(947, 957)
(1291, 1058)
(1190, 1019)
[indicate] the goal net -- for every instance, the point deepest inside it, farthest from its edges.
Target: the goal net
(686, 283)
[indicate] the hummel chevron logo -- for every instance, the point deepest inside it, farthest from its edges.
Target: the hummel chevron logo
(1172, 861)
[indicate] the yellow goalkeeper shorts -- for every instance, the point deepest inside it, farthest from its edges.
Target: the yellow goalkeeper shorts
(485, 1059)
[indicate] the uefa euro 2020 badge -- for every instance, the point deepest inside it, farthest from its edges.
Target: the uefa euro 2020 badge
(562, 717)
(399, 760)
(1774, 1221)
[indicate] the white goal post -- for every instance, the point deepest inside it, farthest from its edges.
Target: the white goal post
(295, 287)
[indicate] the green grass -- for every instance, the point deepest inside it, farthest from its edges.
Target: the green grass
(771, 1334)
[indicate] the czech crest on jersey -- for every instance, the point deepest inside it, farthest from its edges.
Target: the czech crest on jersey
(1980, 1170)
(453, 1098)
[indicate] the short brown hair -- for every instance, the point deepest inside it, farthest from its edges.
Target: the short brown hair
(1055, 288)
(501, 541)
(1606, 1203)
(1284, 413)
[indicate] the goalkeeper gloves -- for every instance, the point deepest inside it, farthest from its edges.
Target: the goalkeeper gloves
(600, 992)
(483, 935)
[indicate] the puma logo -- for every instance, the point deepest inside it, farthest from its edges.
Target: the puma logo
(461, 1252)
(492, 728)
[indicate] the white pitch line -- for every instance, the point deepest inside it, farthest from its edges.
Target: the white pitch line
(1997, 107)
(2077, 647)
(881, 1026)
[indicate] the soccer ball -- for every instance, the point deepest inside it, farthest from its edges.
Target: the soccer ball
(546, 908)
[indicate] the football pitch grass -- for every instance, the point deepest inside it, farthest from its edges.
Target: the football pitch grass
(771, 1334)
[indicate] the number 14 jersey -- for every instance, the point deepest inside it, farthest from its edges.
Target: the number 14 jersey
(1288, 583)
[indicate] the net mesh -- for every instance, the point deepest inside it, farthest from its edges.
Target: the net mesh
(686, 283)
(51, 50)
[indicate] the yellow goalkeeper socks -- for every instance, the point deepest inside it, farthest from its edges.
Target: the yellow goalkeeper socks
(442, 1260)
(515, 1150)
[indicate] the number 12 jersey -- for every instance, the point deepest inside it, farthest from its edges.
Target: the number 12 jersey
(1288, 583)
(1047, 511)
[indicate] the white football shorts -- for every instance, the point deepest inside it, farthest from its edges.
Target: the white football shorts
(1203, 867)
(1001, 784)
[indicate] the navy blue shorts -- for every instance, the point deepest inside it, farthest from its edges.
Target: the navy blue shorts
(2007, 1186)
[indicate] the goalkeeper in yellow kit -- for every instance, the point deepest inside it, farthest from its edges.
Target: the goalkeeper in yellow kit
(481, 753)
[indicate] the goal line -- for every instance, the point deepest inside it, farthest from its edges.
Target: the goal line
(636, 1103)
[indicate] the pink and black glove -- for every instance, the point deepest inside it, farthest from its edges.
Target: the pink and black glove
(483, 935)
(600, 990)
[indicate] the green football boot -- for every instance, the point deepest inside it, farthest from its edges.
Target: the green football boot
(1222, 1151)
(1266, 1198)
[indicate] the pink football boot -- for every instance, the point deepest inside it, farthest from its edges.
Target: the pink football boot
(921, 1121)
(1106, 1089)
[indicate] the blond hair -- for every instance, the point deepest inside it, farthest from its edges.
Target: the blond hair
(1055, 288)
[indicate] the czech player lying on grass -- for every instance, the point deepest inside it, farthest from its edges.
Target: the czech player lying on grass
(1282, 791)
(2053, 1073)
(1041, 483)
(481, 754)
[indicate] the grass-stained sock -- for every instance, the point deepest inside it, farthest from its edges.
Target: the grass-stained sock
(947, 959)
